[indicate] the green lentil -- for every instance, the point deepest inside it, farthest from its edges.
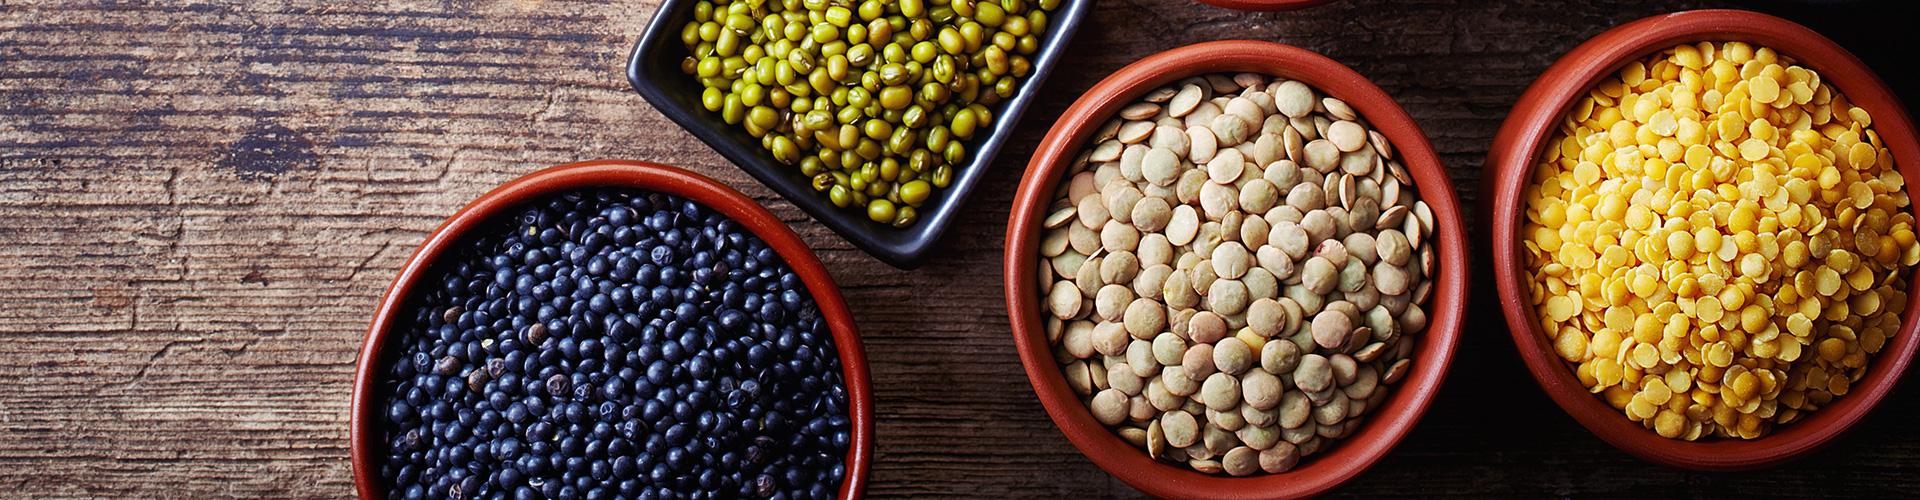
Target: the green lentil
(942, 176)
(880, 211)
(839, 195)
(963, 124)
(989, 14)
(733, 111)
(901, 142)
(873, 100)
(905, 217)
(860, 55)
(915, 192)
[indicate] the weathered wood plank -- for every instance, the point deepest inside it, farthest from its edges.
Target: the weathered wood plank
(202, 202)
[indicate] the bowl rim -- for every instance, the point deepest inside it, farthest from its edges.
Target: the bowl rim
(363, 438)
(1266, 5)
(1510, 163)
(901, 248)
(1403, 407)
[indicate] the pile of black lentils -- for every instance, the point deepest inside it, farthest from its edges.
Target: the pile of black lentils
(614, 344)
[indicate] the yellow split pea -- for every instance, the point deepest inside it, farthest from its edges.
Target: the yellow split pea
(1718, 241)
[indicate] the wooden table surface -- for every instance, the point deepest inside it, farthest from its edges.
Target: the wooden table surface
(200, 203)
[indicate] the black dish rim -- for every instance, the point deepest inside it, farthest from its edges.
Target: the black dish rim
(653, 70)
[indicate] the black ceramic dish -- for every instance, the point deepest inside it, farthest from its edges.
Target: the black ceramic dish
(654, 70)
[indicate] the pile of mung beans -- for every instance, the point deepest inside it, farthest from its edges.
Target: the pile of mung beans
(1233, 271)
(873, 100)
(1718, 241)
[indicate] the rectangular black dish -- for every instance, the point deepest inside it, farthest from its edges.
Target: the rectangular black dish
(654, 70)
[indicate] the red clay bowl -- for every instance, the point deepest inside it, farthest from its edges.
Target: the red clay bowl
(363, 428)
(1512, 160)
(1410, 397)
(1265, 5)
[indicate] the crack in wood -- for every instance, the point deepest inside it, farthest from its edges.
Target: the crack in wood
(446, 167)
(541, 115)
(254, 276)
(354, 273)
(141, 374)
(235, 352)
(133, 316)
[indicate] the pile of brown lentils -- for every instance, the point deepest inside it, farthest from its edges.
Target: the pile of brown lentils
(1234, 269)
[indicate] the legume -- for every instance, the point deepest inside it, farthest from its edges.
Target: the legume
(613, 343)
(1718, 241)
(1270, 262)
(872, 100)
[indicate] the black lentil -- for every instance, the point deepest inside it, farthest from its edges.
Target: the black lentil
(614, 344)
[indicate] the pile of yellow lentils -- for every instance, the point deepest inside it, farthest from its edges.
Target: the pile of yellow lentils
(1719, 241)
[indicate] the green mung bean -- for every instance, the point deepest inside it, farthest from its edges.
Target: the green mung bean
(872, 100)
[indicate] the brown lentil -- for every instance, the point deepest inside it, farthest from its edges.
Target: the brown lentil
(1247, 257)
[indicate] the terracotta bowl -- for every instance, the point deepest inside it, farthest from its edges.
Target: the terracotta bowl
(367, 445)
(1385, 426)
(1265, 5)
(1511, 162)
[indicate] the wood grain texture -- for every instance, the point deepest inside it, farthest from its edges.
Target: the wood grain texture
(202, 202)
